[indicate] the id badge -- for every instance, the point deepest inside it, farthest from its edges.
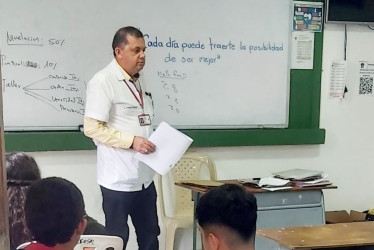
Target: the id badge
(144, 119)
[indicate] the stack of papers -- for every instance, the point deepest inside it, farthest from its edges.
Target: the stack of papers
(304, 177)
(298, 174)
(267, 183)
(288, 179)
(322, 181)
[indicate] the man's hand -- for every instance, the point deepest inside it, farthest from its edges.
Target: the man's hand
(142, 145)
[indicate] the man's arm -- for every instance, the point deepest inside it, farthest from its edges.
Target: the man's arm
(100, 132)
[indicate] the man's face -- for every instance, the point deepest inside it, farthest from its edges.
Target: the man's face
(131, 56)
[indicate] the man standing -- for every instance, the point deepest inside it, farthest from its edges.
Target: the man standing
(118, 118)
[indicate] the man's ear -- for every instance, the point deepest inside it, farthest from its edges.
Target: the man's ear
(82, 226)
(214, 241)
(117, 51)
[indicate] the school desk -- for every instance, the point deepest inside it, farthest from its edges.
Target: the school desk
(282, 208)
(353, 234)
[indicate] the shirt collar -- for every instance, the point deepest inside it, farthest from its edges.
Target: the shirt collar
(126, 76)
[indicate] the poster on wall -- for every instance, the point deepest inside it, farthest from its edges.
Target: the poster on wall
(307, 16)
(365, 78)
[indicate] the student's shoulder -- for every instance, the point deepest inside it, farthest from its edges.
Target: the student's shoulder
(94, 227)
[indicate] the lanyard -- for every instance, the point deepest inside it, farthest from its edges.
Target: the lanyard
(141, 103)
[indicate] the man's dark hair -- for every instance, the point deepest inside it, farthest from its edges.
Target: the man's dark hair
(230, 206)
(54, 207)
(120, 38)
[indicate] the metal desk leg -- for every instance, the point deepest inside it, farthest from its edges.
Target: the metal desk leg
(323, 208)
(195, 199)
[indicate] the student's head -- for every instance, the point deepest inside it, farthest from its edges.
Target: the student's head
(227, 218)
(21, 170)
(21, 167)
(129, 49)
(55, 212)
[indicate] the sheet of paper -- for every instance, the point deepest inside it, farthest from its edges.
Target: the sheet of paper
(302, 50)
(338, 79)
(271, 181)
(170, 143)
(276, 188)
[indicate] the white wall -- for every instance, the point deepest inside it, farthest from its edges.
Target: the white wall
(347, 155)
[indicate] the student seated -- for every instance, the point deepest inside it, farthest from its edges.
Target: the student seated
(54, 212)
(21, 170)
(226, 217)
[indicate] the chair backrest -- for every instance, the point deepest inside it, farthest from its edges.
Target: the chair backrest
(23, 245)
(99, 242)
(192, 166)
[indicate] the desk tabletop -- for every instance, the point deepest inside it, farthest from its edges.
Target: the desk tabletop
(203, 186)
(323, 236)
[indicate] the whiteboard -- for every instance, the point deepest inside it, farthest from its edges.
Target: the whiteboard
(210, 64)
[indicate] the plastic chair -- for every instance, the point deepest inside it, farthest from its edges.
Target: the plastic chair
(192, 166)
(94, 242)
(99, 242)
(23, 245)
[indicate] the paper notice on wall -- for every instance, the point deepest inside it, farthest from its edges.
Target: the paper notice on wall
(302, 50)
(337, 79)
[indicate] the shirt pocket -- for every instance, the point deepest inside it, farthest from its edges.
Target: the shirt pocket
(148, 105)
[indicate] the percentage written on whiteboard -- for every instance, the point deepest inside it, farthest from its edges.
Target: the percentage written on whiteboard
(49, 64)
(53, 41)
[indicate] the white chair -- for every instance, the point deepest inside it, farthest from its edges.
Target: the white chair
(23, 245)
(94, 242)
(99, 242)
(192, 166)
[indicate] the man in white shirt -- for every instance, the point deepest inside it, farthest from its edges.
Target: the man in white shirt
(118, 117)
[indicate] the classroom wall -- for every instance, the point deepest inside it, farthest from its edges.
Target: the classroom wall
(347, 155)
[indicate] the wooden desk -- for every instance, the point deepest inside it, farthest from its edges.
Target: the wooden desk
(283, 208)
(324, 236)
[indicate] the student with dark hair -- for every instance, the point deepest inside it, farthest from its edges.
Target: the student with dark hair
(227, 218)
(54, 212)
(21, 170)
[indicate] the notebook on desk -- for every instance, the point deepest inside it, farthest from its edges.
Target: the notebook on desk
(298, 174)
